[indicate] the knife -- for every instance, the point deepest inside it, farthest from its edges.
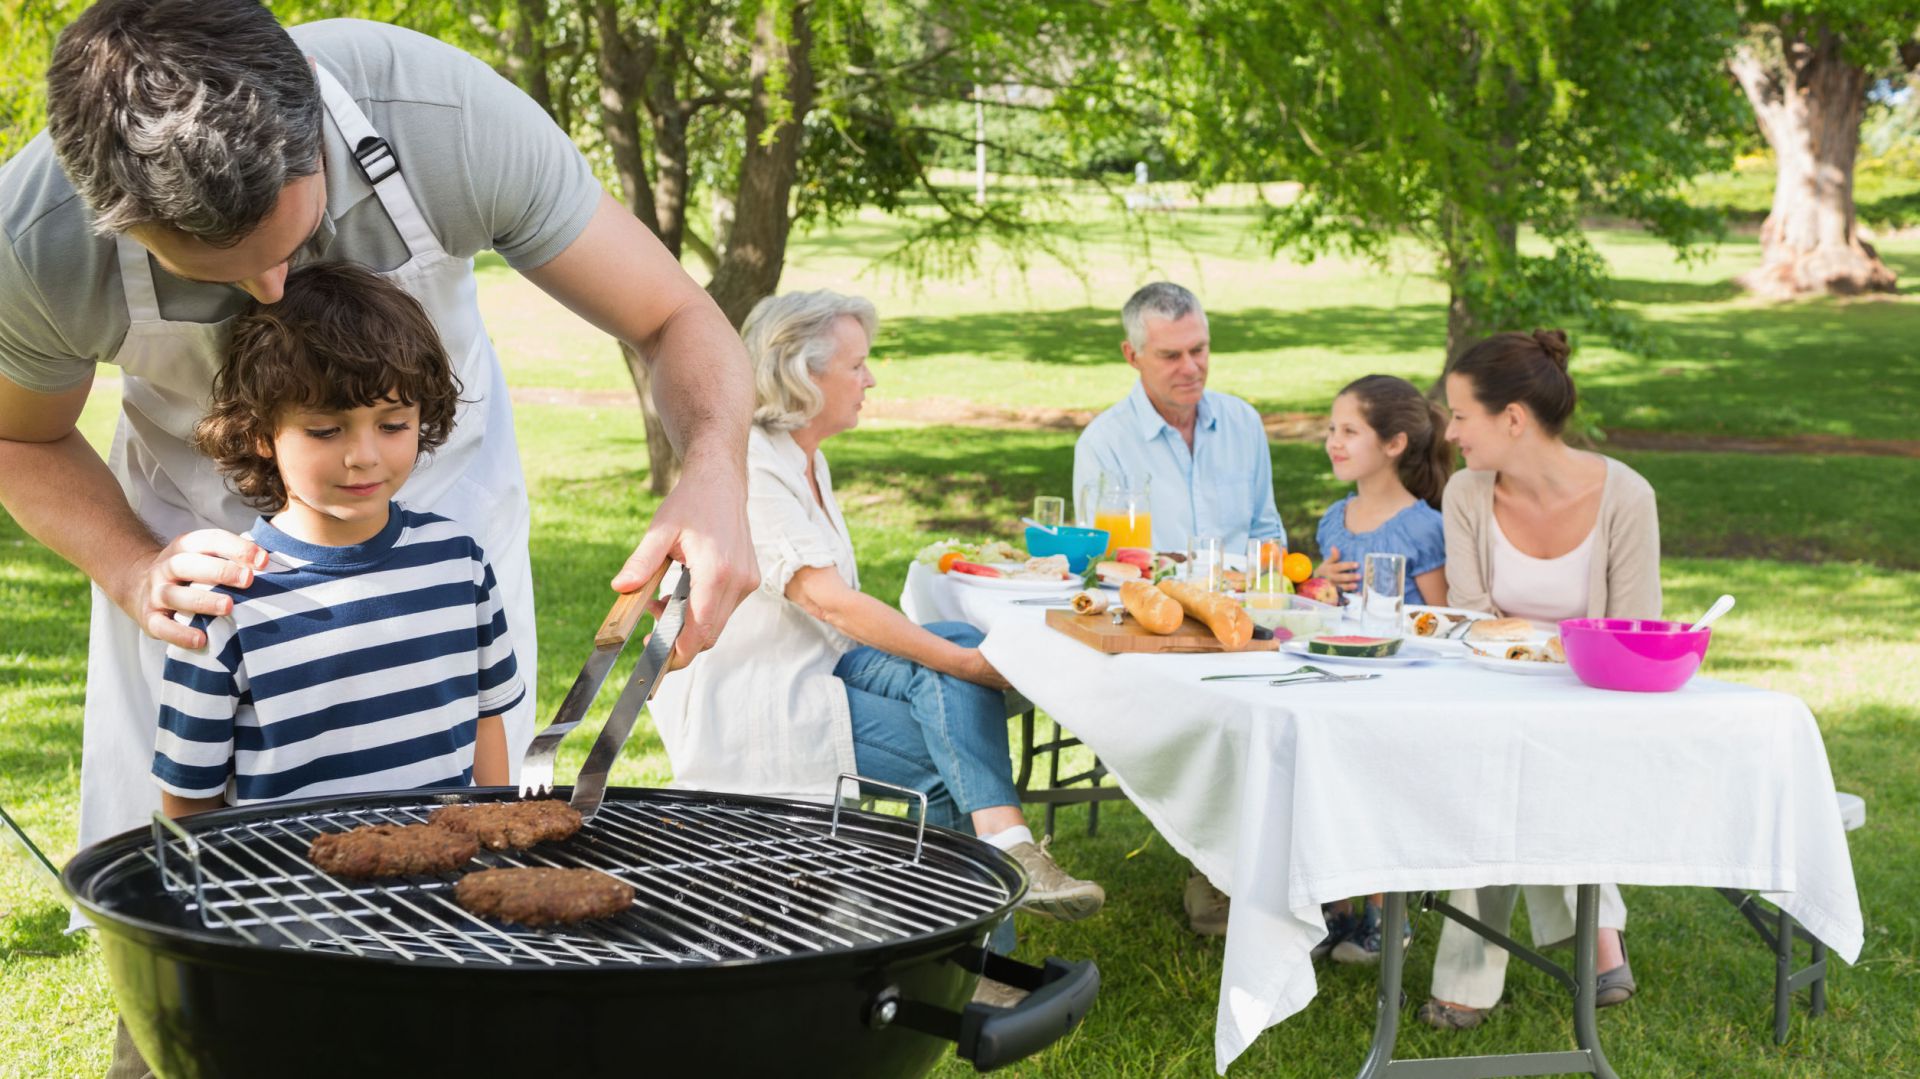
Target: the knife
(536, 765)
(654, 659)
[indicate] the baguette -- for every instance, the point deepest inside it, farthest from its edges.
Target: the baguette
(1156, 612)
(1232, 626)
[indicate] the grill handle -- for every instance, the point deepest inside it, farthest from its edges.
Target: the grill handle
(919, 837)
(162, 824)
(1060, 996)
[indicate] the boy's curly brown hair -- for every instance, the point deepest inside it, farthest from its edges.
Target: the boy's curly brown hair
(341, 337)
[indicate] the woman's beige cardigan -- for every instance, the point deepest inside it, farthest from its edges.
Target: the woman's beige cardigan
(1624, 580)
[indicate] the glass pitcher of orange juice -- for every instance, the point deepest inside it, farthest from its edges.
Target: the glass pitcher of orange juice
(1121, 509)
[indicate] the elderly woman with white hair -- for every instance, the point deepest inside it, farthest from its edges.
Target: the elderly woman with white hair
(814, 677)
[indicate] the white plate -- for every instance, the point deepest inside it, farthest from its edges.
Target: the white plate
(1014, 584)
(1531, 667)
(1410, 653)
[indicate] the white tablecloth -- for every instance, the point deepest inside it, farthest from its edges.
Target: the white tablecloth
(1432, 777)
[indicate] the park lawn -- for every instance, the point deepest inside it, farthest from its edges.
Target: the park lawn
(1826, 628)
(1287, 336)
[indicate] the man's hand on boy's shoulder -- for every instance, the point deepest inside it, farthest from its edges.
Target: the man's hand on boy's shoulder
(157, 588)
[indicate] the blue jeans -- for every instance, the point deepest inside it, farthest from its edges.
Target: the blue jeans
(930, 732)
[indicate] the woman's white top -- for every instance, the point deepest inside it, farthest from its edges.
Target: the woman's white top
(1540, 589)
(761, 711)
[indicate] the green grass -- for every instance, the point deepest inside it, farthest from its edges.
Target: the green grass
(1821, 550)
(1820, 629)
(1288, 336)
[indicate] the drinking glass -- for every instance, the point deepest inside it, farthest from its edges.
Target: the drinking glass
(1122, 512)
(1267, 592)
(1050, 510)
(1207, 563)
(1383, 586)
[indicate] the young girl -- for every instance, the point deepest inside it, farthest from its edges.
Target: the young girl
(1387, 439)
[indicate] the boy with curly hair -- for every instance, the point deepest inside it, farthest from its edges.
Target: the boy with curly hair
(371, 653)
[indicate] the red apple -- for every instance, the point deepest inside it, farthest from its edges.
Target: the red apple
(1320, 590)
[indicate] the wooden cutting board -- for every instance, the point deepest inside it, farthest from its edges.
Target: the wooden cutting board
(1098, 632)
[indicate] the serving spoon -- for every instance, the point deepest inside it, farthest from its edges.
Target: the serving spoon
(1720, 606)
(1050, 530)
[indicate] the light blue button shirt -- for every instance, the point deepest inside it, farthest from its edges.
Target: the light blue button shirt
(1222, 487)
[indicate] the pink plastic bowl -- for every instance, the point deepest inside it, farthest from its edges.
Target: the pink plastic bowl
(1633, 654)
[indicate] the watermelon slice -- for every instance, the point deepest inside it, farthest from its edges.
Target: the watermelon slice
(1362, 647)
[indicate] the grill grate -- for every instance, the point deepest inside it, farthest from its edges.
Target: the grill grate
(713, 882)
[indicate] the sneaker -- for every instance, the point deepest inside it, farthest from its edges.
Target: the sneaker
(997, 994)
(1340, 926)
(1206, 907)
(1051, 892)
(1363, 944)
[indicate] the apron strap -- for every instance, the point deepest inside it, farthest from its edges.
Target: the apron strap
(136, 280)
(378, 164)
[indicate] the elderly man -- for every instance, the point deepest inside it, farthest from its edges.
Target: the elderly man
(195, 151)
(1203, 453)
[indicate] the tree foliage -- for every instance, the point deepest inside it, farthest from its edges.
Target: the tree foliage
(1459, 124)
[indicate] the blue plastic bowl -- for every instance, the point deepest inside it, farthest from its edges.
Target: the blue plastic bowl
(1080, 545)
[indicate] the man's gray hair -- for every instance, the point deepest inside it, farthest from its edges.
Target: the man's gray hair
(1162, 299)
(188, 113)
(789, 340)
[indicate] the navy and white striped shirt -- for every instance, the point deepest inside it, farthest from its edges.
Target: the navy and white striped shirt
(358, 669)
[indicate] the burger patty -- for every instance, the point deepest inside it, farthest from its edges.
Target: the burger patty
(392, 850)
(510, 825)
(542, 896)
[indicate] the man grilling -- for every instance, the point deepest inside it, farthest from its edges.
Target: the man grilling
(195, 151)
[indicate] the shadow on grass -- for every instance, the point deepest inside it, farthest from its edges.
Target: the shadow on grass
(38, 932)
(1090, 335)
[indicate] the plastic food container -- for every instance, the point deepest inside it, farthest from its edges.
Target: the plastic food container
(1632, 654)
(1080, 545)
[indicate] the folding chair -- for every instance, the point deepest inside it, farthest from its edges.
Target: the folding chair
(1059, 790)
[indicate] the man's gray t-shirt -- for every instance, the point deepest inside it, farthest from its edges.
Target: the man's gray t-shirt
(487, 167)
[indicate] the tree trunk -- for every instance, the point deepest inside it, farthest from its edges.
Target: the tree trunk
(663, 464)
(1808, 99)
(757, 244)
(1467, 318)
(623, 71)
(623, 68)
(671, 165)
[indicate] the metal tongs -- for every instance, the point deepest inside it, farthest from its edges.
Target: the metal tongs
(536, 767)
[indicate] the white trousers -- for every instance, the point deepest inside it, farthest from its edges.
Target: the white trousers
(1469, 969)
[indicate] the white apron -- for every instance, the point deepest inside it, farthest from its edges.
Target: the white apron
(168, 368)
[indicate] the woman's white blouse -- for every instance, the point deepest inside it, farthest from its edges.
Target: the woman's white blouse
(761, 712)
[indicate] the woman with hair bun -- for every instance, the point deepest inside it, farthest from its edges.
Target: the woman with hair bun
(1538, 530)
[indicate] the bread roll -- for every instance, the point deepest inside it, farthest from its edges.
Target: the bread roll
(1117, 571)
(1500, 629)
(1232, 626)
(1089, 603)
(1158, 613)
